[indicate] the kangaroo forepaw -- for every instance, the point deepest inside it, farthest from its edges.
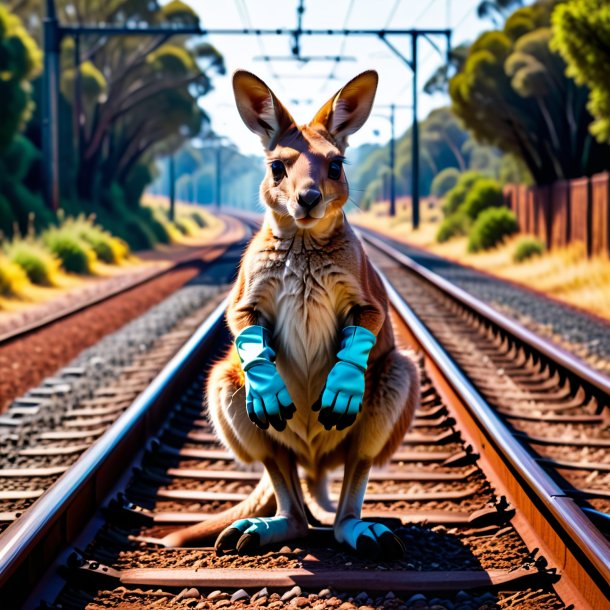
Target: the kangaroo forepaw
(248, 535)
(372, 540)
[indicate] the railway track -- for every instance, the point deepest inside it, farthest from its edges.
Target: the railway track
(485, 524)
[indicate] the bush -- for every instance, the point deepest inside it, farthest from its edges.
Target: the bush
(451, 227)
(528, 247)
(485, 193)
(13, 278)
(199, 219)
(75, 254)
(456, 196)
(40, 266)
(107, 248)
(186, 226)
(444, 181)
(491, 228)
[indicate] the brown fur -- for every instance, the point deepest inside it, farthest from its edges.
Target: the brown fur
(305, 276)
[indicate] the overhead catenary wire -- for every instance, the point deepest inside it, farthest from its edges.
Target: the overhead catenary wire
(244, 15)
(333, 73)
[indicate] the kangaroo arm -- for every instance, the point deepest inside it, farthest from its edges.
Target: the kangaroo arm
(372, 310)
(241, 311)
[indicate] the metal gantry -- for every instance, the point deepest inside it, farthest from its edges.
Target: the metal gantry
(54, 32)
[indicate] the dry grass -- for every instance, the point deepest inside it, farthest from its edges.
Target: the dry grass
(566, 274)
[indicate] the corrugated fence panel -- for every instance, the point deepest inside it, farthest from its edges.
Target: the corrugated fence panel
(524, 203)
(580, 212)
(530, 210)
(600, 214)
(560, 214)
(541, 204)
(565, 212)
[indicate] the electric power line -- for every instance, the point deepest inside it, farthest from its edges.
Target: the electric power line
(333, 72)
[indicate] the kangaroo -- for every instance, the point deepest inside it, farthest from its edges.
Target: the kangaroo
(314, 378)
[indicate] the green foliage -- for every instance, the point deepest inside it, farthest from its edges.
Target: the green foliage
(17, 162)
(454, 225)
(140, 100)
(6, 217)
(107, 248)
(512, 92)
(65, 242)
(457, 195)
(528, 247)
(485, 193)
(20, 61)
(491, 228)
(444, 181)
(38, 263)
(581, 30)
(513, 171)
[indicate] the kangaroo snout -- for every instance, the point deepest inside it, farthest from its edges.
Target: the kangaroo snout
(309, 199)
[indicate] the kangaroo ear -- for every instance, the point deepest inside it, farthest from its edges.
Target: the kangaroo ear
(260, 110)
(347, 110)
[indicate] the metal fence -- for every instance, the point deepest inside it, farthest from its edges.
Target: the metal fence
(565, 212)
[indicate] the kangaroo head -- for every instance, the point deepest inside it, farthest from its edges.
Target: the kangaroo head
(305, 181)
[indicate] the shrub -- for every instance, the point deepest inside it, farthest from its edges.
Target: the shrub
(491, 228)
(13, 278)
(199, 219)
(39, 264)
(107, 248)
(456, 196)
(485, 193)
(186, 226)
(75, 254)
(452, 226)
(444, 181)
(528, 247)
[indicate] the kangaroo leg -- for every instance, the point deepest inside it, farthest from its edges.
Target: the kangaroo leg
(390, 401)
(290, 521)
(227, 411)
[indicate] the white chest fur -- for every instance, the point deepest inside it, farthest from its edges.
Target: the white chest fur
(309, 306)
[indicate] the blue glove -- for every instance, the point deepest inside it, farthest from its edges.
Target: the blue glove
(267, 398)
(342, 396)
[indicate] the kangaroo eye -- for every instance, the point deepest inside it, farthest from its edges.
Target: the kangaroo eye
(334, 170)
(278, 169)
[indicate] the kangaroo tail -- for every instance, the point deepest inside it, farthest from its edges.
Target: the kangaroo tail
(260, 503)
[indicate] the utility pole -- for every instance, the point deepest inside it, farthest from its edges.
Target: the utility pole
(392, 163)
(414, 140)
(392, 149)
(50, 106)
(218, 175)
(172, 188)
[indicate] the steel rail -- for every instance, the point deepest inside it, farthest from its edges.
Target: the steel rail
(572, 529)
(31, 541)
(560, 357)
(71, 310)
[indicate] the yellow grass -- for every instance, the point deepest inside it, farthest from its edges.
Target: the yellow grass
(566, 274)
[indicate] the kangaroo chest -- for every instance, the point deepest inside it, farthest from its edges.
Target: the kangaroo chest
(307, 315)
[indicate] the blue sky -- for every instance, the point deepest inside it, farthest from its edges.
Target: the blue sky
(305, 87)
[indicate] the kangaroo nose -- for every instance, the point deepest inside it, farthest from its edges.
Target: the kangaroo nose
(309, 198)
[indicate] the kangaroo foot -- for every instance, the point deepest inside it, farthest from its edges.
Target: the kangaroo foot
(369, 539)
(248, 535)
